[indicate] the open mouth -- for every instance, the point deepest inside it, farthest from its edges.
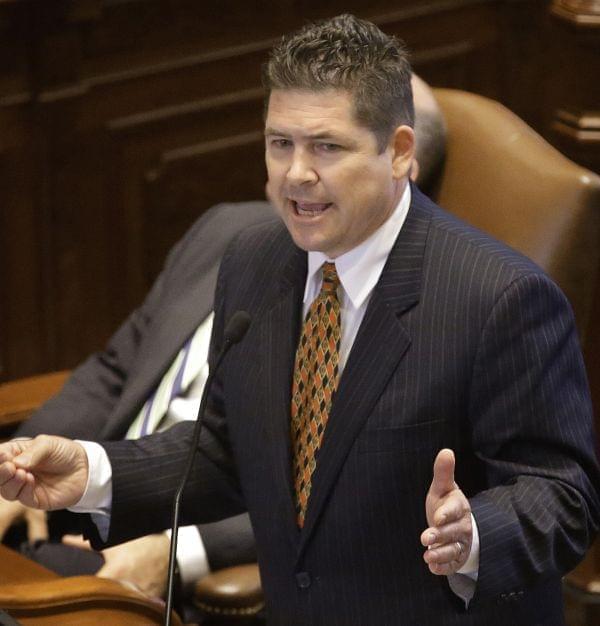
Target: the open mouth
(310, 209)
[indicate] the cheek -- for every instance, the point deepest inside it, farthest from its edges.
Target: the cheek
(273, 167)
(275, 182)
(361, 191)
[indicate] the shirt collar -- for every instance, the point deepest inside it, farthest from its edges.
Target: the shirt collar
(359, 269)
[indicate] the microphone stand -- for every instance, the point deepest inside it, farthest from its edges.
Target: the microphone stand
(235, 330)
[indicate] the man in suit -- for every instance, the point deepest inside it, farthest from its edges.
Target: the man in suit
(88, 409)
(419, 449)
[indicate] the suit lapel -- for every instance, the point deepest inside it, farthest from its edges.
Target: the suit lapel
(279, 336)
(169, 329)
(380, 345)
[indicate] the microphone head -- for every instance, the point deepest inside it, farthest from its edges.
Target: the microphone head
(236, 327)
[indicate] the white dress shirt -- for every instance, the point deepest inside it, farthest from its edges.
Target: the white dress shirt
(358, 270)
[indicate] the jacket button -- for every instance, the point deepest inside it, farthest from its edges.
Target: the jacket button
(303, 580)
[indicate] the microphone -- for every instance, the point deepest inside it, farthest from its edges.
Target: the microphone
(234, 332)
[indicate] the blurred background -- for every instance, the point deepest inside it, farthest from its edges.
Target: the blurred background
(121, 121)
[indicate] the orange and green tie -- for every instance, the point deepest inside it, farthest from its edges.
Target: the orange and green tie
(315, 382)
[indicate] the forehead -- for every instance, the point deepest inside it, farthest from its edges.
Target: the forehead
(311, 112)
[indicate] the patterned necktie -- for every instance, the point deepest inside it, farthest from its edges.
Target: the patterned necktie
(315, 382)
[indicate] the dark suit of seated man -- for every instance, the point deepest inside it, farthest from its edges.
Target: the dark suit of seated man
(407, 419)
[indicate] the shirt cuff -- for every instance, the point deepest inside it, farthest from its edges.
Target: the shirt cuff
(191, 557)
(471, 566)
(463, 582)
(97, 497)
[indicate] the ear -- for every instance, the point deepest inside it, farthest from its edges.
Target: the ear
(414, 171)
(403, 146)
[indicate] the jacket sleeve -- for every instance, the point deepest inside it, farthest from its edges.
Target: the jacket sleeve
(531, 421)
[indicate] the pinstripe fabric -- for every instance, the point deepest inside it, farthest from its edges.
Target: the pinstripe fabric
(464, 344)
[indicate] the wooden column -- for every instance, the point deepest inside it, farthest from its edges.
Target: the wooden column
(573, 87)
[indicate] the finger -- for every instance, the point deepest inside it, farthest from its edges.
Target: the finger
(7, 473)
(444, 569)
(28, 494)
(77, 541)
(9, 450)
(12, 486)
(446, 553)
(443, 473)
(34, 452)
(452, 509)
(429, 537)
(25, 460)
(448, 534)
(37, 525)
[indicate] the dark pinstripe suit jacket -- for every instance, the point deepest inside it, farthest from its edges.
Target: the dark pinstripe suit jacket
(465, 344)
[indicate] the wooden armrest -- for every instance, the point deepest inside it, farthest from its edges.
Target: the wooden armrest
(79, 600)
(19, 398)
(232, 591)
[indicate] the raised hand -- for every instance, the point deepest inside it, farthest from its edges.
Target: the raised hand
(449, 536)
(43, 473)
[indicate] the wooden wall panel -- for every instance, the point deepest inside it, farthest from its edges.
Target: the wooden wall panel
(190, 178)
(573, 97)
(22, 253)
(141, 147)
(121, 121)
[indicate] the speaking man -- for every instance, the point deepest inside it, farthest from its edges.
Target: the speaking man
(98, 404)
(407, 419)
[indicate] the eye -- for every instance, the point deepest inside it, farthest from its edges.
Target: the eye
(280, 143)
(329, 147)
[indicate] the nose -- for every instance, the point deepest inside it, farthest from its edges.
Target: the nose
(301, 170)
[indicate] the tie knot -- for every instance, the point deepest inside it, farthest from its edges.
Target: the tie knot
(330, 279)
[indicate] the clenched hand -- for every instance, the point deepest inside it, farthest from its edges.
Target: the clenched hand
(43, 473)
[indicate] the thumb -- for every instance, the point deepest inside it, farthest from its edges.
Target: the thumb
(443, 473)
(31, 455)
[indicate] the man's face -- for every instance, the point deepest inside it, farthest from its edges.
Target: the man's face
(329, 181)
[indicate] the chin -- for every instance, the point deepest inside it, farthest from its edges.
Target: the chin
(308, 244)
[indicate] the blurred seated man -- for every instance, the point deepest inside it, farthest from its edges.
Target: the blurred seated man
(158, 383)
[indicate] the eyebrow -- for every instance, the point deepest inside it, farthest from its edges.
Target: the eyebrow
(317, 136)
(274, 131)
